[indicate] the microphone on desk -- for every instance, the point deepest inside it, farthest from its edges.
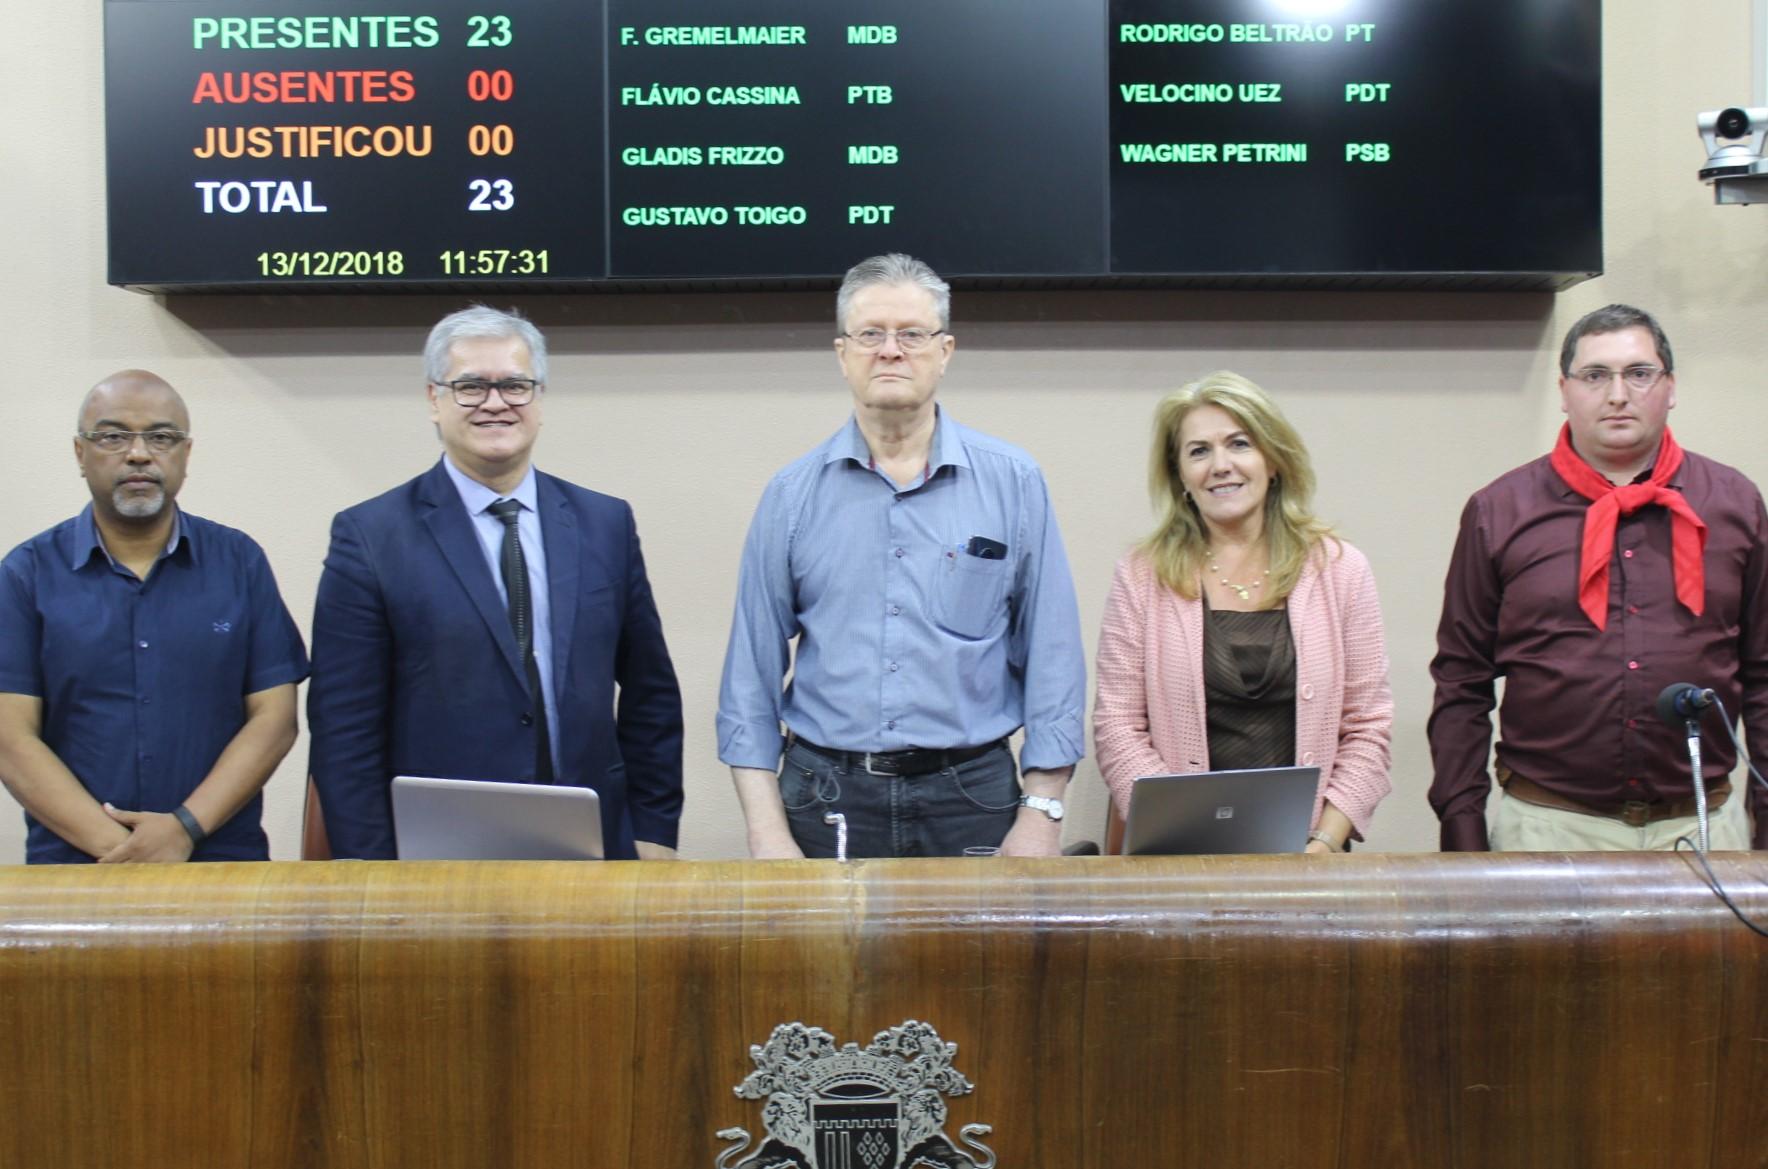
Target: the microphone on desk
(1683, 703)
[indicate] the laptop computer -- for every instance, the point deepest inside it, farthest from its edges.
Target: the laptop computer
(477, 820)
(1261, 810)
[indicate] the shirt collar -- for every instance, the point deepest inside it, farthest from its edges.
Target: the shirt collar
(947, 448)
(477, 497)
(88, 539)
(1565, 491)
(948, 444)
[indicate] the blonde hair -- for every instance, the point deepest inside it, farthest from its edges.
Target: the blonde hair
(1178, 546)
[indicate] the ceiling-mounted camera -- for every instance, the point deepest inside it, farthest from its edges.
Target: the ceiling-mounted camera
(1735, 167)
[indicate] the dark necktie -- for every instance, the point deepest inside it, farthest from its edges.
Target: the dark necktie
(515, 584)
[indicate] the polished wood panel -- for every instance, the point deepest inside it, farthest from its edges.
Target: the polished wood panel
(1369, 1010)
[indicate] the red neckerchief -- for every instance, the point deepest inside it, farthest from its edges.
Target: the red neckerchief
(1688, 535)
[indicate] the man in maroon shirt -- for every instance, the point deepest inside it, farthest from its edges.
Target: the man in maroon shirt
(1589, 580)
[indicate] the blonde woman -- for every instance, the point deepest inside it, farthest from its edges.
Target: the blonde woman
(1242, 632)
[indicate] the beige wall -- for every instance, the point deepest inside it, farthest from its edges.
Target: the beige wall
(685, 404)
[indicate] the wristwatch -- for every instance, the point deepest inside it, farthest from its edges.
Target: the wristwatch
(1048, 805)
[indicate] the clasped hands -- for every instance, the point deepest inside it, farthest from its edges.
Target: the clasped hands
(153, 838)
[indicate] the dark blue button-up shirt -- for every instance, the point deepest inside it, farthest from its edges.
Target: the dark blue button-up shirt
(144, 682)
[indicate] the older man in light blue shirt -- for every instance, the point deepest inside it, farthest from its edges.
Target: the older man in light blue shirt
(919, 566)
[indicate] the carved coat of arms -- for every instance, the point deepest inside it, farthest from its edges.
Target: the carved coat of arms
(847, 1107)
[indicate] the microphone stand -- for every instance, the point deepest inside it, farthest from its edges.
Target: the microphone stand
(1700, 784)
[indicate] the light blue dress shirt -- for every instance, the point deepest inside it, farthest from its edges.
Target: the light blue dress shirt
(904, 638)
(478, 498)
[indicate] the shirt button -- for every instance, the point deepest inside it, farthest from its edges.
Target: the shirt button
(1632, 724)
(1308, 758)
(1632, 783)
(1307, 692)
(895, 610)
(141, 645)
(1628, 554)
(899, 553)
(145, 701)
(893, 667)
(1633, 609)
(891, 725)
(1632, 665)
(527, 719)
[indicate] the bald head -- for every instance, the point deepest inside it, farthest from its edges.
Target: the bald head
(134, 390)
(132, 445)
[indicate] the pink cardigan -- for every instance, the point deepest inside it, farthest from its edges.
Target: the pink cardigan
(1148, 718)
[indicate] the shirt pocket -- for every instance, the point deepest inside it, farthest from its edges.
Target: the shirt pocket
(969, 600)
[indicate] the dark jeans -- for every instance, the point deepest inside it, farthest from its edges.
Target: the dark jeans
(940, 813)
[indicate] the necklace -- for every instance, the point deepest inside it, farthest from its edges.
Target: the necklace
(1243, 591)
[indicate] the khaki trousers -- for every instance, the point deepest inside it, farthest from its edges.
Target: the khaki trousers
(1526, 827)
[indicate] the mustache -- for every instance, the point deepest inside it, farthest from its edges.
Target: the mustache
(140, 477)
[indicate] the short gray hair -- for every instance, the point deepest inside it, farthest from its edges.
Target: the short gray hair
(1612, 318)
(893, 268)
(482, 321)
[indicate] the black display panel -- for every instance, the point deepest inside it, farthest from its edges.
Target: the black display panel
(234, 158)
(316, 144)
(1407, 136)
(970, 129)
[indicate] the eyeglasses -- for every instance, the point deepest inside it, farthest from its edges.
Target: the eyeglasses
(1639, 378)
(113, 442)
(907, 340)
(472, 391)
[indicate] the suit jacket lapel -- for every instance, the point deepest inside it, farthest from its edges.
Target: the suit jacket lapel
(452, 529)
(558, 528)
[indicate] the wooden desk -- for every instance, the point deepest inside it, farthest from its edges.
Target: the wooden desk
(1493, 1012)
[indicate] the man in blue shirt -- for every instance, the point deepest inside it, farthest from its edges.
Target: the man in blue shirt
(918, 564)
(147, 664)
(488, 621)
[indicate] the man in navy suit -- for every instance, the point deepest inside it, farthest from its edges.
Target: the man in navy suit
(423, 664)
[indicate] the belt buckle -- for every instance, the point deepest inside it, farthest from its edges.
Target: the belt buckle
(1636, 813)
